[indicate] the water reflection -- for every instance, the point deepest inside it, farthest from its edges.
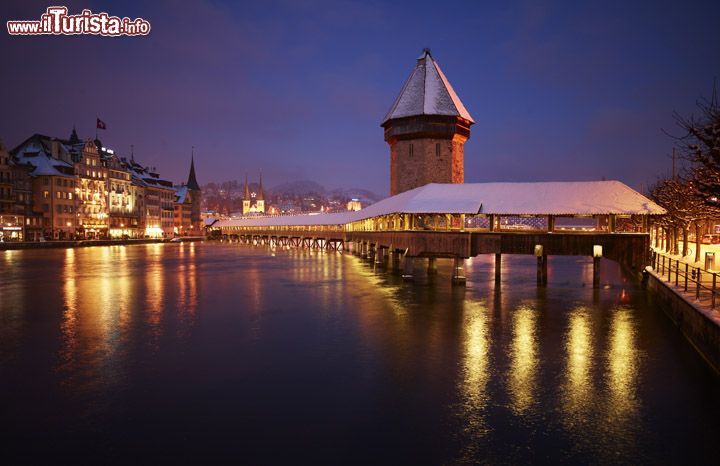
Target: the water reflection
(476, 366)
(523, 360)
(472, 374)
(155, 292)
(69, 325)
(187, 288)
(12, 297)
(622, 366)
(577, 390)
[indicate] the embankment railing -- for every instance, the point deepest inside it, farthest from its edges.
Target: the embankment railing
(701, 283)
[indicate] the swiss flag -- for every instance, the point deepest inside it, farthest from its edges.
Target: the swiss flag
(101, 124)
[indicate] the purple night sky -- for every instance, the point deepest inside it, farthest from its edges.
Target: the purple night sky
(297, 89)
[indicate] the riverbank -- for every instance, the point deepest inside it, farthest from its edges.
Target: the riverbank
(89, 243)
(699, 322)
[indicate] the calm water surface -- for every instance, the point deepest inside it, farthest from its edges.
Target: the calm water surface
(196, 353)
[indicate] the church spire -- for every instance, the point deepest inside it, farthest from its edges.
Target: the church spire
(246, 195)
(192, 181)
(74, 139)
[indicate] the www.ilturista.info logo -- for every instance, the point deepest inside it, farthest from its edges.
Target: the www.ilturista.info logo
(56, 21)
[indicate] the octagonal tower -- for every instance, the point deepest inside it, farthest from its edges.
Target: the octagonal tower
(426, 128)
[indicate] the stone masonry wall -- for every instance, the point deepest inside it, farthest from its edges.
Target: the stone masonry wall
(411, 168)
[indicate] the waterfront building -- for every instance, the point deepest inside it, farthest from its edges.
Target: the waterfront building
(426, 128)
(14, 197)
(66, 189)
(93, 218)
(183, 210)
(158, 202)
(49, 162)
(122, 199)
(188, 218)
(253, 202)
(193, 198)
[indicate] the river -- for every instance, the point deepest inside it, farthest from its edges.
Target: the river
(210, 352)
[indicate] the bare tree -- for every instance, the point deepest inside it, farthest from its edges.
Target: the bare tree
(686, 207)
(701, 146)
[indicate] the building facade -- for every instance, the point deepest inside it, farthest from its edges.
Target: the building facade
(426, 128)
(122, 200)
(253, 201)
(50, 164)
(59, 189)
(92, 175)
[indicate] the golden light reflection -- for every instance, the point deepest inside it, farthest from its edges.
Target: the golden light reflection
(96, 314)
(622, 365)
(187, 290)
(69, 325)
(154, 284)
(578, 387)
(476, 366)
(524, 360)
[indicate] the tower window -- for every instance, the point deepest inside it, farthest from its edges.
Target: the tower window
(437, 149)
(411, 150)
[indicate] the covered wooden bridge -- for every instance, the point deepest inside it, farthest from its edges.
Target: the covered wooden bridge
(458, 221)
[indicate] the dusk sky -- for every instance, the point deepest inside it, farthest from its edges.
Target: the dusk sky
(298, 89)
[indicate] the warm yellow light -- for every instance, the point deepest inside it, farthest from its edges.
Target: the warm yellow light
(69, 224)
(597, 250)
(538, 250)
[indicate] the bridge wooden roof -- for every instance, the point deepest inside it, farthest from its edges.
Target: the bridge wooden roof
(563, 198)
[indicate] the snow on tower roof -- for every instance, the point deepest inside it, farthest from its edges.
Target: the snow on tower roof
(427, 92)
(538, 198)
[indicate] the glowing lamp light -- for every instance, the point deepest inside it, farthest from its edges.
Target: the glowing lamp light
(597, 251)
(538, 250)
(69, 224)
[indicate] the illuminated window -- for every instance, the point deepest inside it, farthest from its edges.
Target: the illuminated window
(46, 194)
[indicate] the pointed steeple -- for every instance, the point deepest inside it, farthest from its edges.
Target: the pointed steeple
(261, 195)
(427, 92)
(74, 139)
(192, 181)
(246, 195)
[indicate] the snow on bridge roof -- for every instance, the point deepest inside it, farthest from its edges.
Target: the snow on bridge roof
(539, 198)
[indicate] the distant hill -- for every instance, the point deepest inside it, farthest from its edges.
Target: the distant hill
(365, 196)
(300, 188)
(306, 187)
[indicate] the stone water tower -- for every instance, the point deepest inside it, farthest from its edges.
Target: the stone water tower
(426, 128)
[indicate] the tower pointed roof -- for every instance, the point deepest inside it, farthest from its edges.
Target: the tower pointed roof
(246, 194)
(192, 181)
(427, 92)
(74, 139)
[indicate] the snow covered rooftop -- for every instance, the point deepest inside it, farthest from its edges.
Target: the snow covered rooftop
(36, 153)
(540, 198)
(181, 193)
(427, 92)
(336, 218)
